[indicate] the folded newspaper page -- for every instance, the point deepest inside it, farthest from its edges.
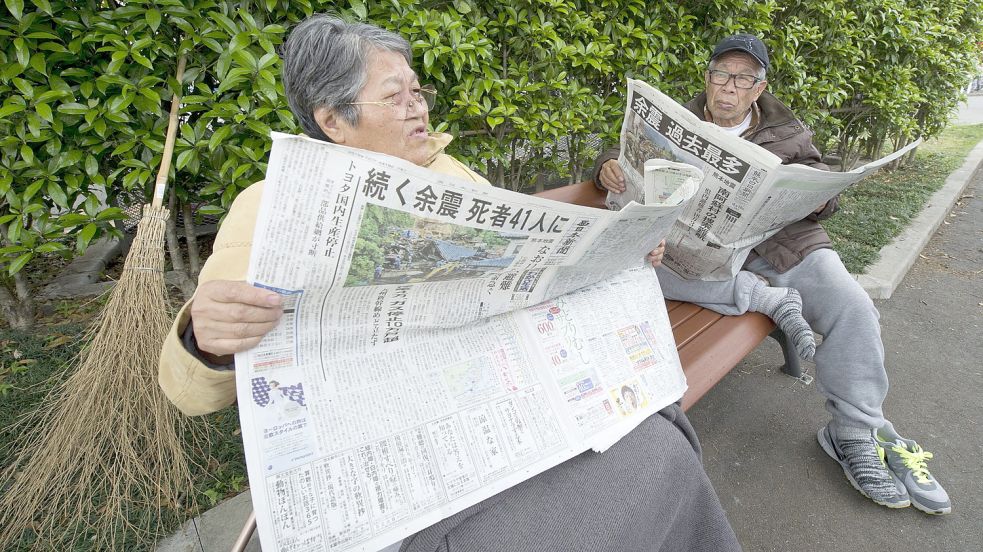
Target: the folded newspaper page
(746, 194)
(664, 183)
(441, 342)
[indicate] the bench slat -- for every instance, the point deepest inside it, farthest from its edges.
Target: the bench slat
(694, 325)
(708, 356)
(684, 310)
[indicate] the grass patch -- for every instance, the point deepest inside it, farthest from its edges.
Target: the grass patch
(879, 208)
(34, 362)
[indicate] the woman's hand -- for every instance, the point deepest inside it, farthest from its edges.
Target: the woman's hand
(232, 316)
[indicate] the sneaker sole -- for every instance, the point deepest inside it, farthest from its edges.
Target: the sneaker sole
(828, 448)
(931, 511)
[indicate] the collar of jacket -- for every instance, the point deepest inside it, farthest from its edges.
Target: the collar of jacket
(775, 122)
(755, 118)
(436, 143)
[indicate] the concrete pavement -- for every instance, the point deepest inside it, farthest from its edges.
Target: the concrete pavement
(971, 111)
(758, 426)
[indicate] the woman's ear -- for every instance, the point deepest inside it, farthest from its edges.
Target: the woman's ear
(331, 125)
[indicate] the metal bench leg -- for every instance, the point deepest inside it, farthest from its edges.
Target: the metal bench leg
(247, 531)
(792, 366)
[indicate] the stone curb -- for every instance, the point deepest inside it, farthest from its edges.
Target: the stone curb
(897, 257)
(81, 277)
(215, 529)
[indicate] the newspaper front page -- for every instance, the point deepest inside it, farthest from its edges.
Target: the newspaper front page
(494, 336)
(746, 195)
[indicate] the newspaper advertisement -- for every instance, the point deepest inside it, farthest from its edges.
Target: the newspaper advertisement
(746, 194)
(441, 342)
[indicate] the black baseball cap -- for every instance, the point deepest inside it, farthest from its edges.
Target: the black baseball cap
(746, 43)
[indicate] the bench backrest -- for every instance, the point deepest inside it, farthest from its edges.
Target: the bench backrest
(583, 193)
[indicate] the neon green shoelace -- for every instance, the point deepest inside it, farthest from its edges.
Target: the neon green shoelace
(915, 460)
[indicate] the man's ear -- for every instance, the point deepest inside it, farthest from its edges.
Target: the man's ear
(331, 125)
(761, 88)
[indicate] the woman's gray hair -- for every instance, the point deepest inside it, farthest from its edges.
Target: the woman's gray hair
(325, 59)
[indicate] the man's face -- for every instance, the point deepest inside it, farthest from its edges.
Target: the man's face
(729, 104)
(395, 130)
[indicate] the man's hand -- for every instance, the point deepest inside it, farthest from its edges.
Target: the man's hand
(820, 208)
(611, 176)
(655, 256)
(231, 317)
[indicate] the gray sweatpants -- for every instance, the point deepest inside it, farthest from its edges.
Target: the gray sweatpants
(849, 362)
(646, 493)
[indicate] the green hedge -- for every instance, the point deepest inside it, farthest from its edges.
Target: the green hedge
(85, 87)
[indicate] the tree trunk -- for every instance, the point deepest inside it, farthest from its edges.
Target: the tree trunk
(17, 307)
(842, 149)
(907, 158)
(184, 283)
(511, 180)
(16, 302)
(900, 162)
(574, 154)
(191, 237)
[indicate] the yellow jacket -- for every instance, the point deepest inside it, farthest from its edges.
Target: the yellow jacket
(191, 385)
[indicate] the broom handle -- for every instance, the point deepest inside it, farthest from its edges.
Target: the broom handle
(165, 161)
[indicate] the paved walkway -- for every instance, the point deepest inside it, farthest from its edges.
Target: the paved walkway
(779, 489)
(971, 112)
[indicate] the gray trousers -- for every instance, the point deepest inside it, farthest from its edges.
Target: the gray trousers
(646, 493)
(850, 360)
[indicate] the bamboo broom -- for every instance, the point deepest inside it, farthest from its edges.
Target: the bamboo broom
(104, 458)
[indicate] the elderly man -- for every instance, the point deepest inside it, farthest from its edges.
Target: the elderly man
(352, 84)
(799, 259)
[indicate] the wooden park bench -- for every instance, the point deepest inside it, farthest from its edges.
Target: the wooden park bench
(709, 344)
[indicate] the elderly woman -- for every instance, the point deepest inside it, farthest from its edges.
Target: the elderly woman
(352, 84)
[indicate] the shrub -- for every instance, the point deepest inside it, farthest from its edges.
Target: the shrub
(530, 87)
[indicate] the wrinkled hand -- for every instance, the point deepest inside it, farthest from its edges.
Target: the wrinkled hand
(611, 176)
(655, 256)
(231, 317)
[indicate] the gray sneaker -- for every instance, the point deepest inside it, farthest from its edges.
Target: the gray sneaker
(863, 463)
(908, 461)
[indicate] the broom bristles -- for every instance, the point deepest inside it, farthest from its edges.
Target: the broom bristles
(107, 456)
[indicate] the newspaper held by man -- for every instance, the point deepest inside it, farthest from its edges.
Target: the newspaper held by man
(664, 183)
(746, 194)
(441, 342)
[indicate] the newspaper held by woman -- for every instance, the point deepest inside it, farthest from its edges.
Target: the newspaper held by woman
(441, 341)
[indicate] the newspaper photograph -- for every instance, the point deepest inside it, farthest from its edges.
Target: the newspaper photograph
(746, 194)
(441, 341)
